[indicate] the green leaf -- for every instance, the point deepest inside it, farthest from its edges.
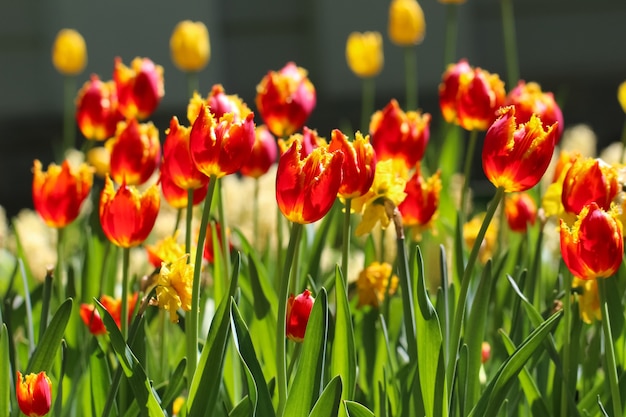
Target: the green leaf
(242, 409)
(175, 385)
(355, 409)
(430, 356)
(314, 253)
(475, 334)
(531, 391)
(495, 393)
(5, 372)
(307, 382)
(263, 401)
(328, 403)
(145, 395)
(205, 386)
(45, 353)
(263, 295)
(343, 351)
(99, 378)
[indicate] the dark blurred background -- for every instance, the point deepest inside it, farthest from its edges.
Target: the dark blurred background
(574, 48)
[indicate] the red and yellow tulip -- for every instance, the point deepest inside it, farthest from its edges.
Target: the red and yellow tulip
(359, 163)
(589, 180)
(135, 152)
(520, 210)
(140, 87)
(264, 153)
(420, 206)
(298, 312)
(91, 317)
(97, 112)
(34, 394)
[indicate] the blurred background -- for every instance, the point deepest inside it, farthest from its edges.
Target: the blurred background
(574, 48)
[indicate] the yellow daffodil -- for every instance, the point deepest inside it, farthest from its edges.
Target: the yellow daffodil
(373, 282)
(174, 286)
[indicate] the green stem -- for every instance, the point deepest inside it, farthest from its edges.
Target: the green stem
(459, 314)
(124, 315)
(510, 43)
(281, 364)
(567, 318)
(345, 254)
(224, 234)
(69, 130)
(467, 169)
(609, 354)
(410, 68)
(188, 221)
(452, 24)
(179, 215)
(191, 328)
(367, 103)
(193, 83)
(60, 267)
(45, 303)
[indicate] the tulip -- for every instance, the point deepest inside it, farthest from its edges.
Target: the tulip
(285, 99)
(359, 163)
(69, 52)
(174, 285)
(399, 135)
(126, 216)
(389, 184)
(264, 153)
(364, 53)
(528, 99)
(135, 152)
(209, 247)
(593, 247)
(91, 317)
(307, 186)
(59, 193)
(221, 148)
(309, 139)
(165, 250)
(589, 180)
(588, 299)
(178, 197)
(298, 312)
(189, 46)
(374, 282)
(515, 157)
(621, 95)
(420, 206)
(97, 112)
(34, 394)
(485, 352)
(469, 97)
(520, 210)
(177, 164)
(406, 22)
(219, 104)
(139, 88)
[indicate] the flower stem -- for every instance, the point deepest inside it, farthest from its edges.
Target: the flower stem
(345, 254)
(60, 267)
(510, 43)
(459, 314)
(193, 83)
(609, 354)
(188, 221)
(191, 326)
(452, 24)
(410, 68)
(224, 235)
(367, 103)
(281, 363)
(467, 169)
(567, 318)
(69, 132)
(124, 315)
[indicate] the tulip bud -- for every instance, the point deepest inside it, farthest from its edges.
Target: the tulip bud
(189, 46)
(406, 22)
(364, 53)
(298, 312)
(69, 52)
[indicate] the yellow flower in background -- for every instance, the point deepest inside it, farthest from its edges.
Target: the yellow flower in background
(488, 245)
(167, 250)
(389, 183)
(174, 286)
(189, 46)
(621, 95)
(588, 299)
(364, 53)
(373, 282)
(406, 22)
(99, 157)
(69, 52)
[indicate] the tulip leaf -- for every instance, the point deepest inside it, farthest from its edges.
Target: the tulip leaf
(99, 378)
(145, 395)
(430, 356)
(307, 382)
(355, 409)
(263, 401)
(175, 384)
(475, 334)
(344, 352)
(5, 372)
(328, 403)
(44, 355)
(537, 403)
(205, 386)
(495, 393)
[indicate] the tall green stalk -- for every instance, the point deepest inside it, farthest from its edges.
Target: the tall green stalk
(452, 24)
(193, 82)
(191, 328)
(188, 221)
(281, 354)
(609, 354)
(467, 168)
(345, 253)
(59, 273)
(125, 270)
(457, 324)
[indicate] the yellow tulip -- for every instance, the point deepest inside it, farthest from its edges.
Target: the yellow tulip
(621, 95)
(69, 52)
(189, 46)
(364, 53)
(406, 22)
